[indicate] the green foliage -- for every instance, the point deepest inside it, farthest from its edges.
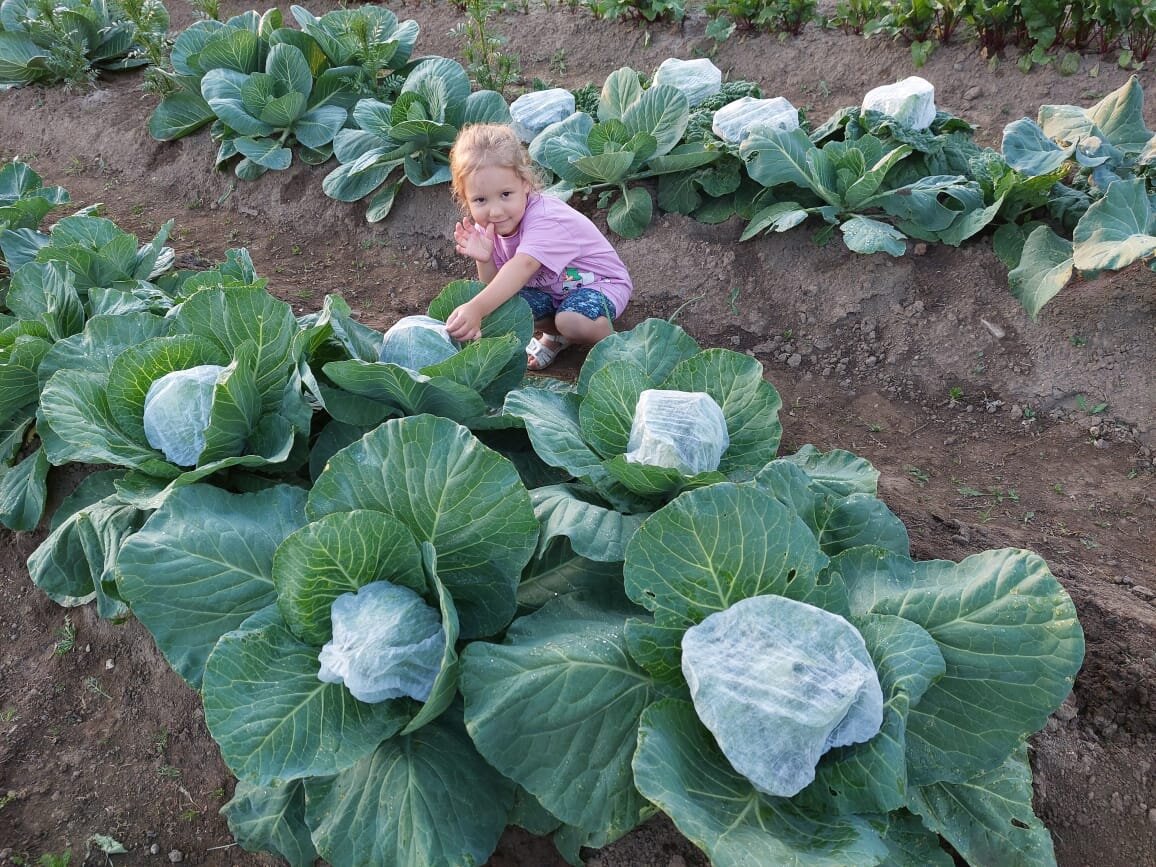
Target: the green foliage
(771, 16)
(408, 140)
(74, 41)
(645, 10)
(489, 66)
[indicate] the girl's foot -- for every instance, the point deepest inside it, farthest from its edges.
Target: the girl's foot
(543, 349)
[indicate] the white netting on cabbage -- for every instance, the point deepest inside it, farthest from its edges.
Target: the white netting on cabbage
(779, 683)
(910, 101)
(177, 408)
(697, 79)
(682, 430)
(735, 119)
(386, 643)
(414, 342)
(532, 112)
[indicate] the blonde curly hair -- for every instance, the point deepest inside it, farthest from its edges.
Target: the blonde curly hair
(488, 144)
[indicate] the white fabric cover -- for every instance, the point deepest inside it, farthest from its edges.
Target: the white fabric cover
(177, 408)
(697, 79)
(732, 122)
(682, 430)
(778, 683)
(532, 112)
(386, 643)
(416, 341)
(910, 101)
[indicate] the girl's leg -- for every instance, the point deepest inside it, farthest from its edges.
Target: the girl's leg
(585, 317)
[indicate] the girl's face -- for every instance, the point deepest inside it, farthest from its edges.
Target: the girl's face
(497, 196)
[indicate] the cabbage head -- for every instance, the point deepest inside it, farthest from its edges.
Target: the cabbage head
(177, 410)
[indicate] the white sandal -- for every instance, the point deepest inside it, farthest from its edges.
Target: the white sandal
(542, 350)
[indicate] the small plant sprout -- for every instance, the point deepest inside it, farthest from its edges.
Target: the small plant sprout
(920, 477)
(65, 637)
(955, 394)
(93, 686)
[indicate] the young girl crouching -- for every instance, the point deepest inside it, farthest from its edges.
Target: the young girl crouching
(529, 243)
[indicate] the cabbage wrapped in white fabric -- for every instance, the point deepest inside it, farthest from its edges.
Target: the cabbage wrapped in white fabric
(735, 119)
(682, 430)
(779, 683)
(413, 342)
(387, 643)
(532, 112)
(910, 101)
(177, 409)
(697, 79)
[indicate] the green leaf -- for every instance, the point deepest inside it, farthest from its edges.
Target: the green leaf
(655, 345)
(631, 213)
(1120, 116)
(620, 90)
(607, 413)
(1030, 152)
(23, 492)
(1117, 230)
(680, 769)
(420, 799)
(749, 403)
(988, 818)
(406, 392)
(451, 491)
(340, 553)
(272, 717)
(218, 551)
(661, 111)
(557, 571)
(271, 819)
(865, 235)
(714, 546)
(778, 217)
(775, 156)
(595, 531)
(555, 708)
(1012, 643)
(1045, 267)
(552, 423)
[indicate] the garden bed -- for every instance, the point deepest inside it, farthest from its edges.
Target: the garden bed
(989, 429)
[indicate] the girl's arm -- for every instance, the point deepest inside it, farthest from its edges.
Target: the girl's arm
(465, 323)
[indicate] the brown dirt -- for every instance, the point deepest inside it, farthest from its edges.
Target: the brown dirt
(105, 739)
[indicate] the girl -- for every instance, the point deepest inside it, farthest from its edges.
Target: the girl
(528, 243)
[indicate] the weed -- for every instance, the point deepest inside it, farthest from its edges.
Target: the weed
(65, 637)
(160, 740)
(207, 8)
(558, 62)
(733, 298)
(489, 66)
(93, 686)
(168, 772)
(1029, 413)
(1058, 488)
(955, 394)
(1078, 341)
(920, 476)
(6, 799)
(966, 490)
(8, 715)
(295, 250)
(189, 815)
(137, 209)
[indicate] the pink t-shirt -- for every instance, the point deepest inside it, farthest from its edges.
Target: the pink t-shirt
(559, 237)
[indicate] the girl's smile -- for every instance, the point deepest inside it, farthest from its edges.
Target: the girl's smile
(497, 197)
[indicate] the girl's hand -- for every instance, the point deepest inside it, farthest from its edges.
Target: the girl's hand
(464, 323)
(474, 241)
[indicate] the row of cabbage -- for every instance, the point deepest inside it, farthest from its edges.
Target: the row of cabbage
(424, 597)
(1071, 192)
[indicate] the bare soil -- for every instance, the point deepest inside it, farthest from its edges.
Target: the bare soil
(978, 418)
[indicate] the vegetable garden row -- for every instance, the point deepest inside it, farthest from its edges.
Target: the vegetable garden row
(1070, 192)
(565, 638)
(570, 639)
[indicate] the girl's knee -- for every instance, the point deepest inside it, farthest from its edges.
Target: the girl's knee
(581, 328)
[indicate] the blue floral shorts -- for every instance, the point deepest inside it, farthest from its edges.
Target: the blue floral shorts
(589, 302)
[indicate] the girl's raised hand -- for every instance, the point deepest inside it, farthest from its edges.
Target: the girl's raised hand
(474, 241)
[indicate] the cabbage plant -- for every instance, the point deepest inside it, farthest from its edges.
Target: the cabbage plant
(410, 138)
(584, 431)
(786, 683)
(244, 608)
(467, 386)
(358, 49)
(1106, 155)
(634, 136)
(74, 40)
